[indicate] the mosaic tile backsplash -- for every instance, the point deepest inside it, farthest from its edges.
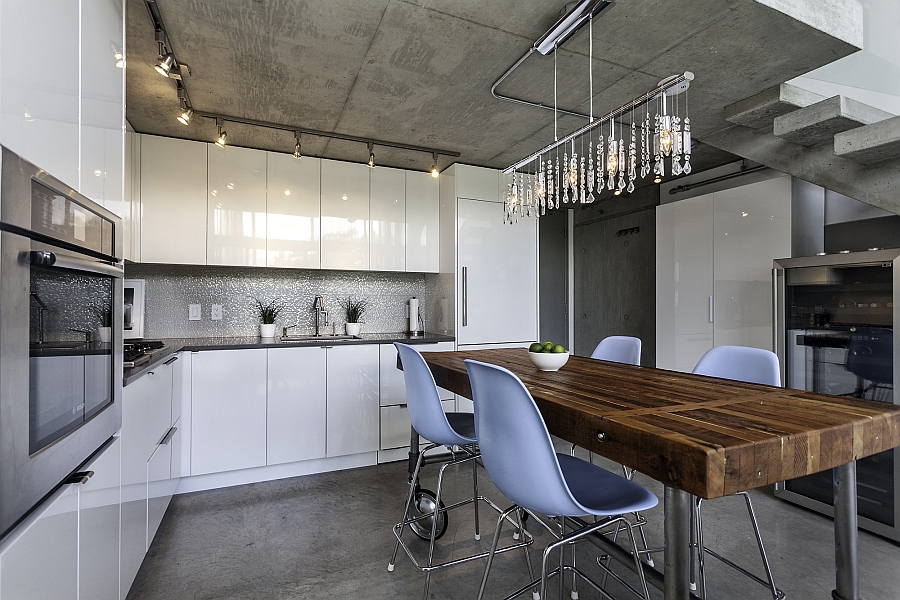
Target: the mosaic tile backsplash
(171, 288)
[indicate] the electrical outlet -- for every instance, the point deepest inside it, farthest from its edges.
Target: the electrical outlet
(193, 312)
(216, 313)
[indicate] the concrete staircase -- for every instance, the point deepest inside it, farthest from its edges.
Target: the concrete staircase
(837, 143)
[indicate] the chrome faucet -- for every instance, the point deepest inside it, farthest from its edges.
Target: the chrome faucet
(319, 307)
(41, 308)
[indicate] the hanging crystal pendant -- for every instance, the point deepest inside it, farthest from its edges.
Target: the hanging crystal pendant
(622, 166)
(658, 166)
(583, 196)
(686, 146)
(590, 175)
(645, 147)
(612, 163)
(601, 161)
(551, 190)
(632, 159)
(676, 146)
(573, 174)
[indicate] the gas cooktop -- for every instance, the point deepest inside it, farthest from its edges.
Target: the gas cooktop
(137, 353)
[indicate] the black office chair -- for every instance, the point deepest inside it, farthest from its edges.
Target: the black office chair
(870, 356)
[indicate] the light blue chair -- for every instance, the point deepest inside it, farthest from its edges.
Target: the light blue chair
(520, 458)
(452, 430)
(752, 365)
(619, 348)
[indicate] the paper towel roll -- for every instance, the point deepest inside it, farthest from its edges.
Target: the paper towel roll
(414, 314)
(442, 323)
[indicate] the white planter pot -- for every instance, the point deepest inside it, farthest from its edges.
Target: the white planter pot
(104, 334)
(267, 330)
(352, 328)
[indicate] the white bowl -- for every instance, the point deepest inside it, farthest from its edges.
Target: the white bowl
(548, 361)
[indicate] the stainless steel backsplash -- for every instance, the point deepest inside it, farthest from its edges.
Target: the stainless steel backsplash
(171, 288)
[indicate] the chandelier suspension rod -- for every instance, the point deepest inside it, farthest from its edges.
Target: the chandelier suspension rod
(625, 108)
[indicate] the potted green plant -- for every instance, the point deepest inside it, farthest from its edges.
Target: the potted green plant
(353, 312)
(267, 312)
(104, 331)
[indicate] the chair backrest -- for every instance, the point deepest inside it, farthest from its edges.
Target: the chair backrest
(741, 363)
(515, 446)
(619, 348)
(422, 399)
(870, 354)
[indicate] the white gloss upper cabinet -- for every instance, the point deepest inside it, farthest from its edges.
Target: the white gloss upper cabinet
(293, 211)
(228, 410)
(173, 201)
(345, 216)
(477, 183)
(236, 227)
(296, 404)
(39, 84)
(387, 218)
(102, 102)
(422, 223)
(352, 411)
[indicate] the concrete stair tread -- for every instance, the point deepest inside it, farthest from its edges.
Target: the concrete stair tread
(758, 111)
(820, 122)
(870, 144)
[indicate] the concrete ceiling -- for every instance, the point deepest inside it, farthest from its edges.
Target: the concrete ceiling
(420, 71)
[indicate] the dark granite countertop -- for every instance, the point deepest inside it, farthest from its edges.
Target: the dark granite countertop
(175, 345)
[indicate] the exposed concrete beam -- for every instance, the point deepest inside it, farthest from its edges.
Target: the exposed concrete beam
(821, 121)
(842, 19)
(871, 144)
(878, 185)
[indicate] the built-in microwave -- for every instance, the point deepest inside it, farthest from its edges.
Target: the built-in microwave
(60, 286)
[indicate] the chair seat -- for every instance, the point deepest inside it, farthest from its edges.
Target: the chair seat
(464, 425)
(601, 492)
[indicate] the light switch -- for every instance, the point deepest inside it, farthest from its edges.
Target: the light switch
(193, 312)
(216, 312)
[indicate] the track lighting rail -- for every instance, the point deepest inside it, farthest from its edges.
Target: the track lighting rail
(318, 133)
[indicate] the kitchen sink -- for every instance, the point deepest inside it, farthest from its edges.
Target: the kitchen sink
(319, 338)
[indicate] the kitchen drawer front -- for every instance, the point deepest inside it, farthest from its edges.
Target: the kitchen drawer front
(395, 425)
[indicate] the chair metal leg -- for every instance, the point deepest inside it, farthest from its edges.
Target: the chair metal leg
(409, 500)
(475, 495)
(434, 522)
(494, 542)
(535, 595)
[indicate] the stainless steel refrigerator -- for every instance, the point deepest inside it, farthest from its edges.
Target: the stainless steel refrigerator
(834, 318)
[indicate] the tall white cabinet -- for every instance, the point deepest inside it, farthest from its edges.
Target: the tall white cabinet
(714, 258)
(493, 265)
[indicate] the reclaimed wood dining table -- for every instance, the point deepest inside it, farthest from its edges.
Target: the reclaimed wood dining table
(700, 436)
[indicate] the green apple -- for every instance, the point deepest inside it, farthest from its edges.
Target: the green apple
(536, 347)
(558, 349)
(548, 346)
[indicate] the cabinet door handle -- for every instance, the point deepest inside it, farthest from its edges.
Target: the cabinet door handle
(171, 360)
(80, 477)
(465, 296)
(712, 309)
(168, 437)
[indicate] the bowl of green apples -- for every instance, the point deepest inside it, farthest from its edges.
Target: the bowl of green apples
(548, 356)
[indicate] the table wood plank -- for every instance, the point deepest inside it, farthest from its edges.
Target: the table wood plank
(708, 436)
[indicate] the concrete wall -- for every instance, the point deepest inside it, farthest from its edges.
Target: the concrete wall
(615, 271)
(553, 269)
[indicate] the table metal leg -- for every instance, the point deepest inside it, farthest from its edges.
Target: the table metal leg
(846, 534)
(677, 530)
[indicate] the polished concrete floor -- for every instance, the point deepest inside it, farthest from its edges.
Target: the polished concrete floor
(329, 536)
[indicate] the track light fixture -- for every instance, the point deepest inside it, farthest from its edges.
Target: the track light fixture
(165, 64)
(434, 169)
(185, 117)
(223, 135)
(297, 154)
(371, 162)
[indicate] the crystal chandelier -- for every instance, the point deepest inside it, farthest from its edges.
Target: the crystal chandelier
(572, 169)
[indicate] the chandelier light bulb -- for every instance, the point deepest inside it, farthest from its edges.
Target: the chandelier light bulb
(666, 141)
(612, 160)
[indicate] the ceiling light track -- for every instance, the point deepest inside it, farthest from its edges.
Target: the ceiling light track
(326, 134)
(567, 25)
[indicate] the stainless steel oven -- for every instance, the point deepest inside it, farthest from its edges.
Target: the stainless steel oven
(60, 283)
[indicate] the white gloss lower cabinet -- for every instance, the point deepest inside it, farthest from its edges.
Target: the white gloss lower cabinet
(98, 526)
(296, 404)
(159, 487)
(345, 215)
(352, 411)
(136, 449)
(228, 406)
(41, 561)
